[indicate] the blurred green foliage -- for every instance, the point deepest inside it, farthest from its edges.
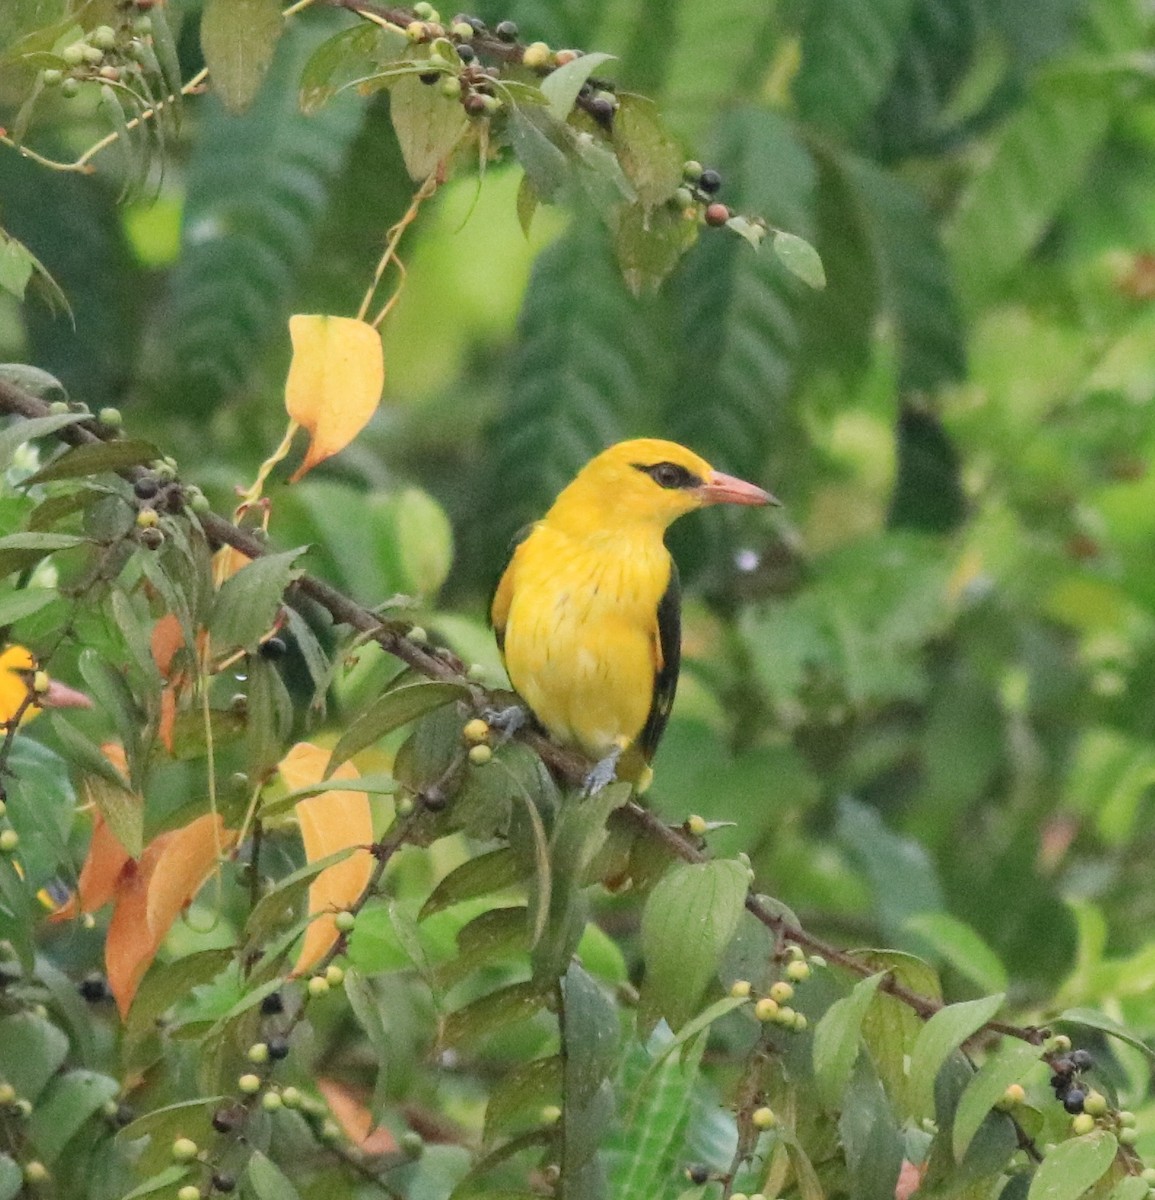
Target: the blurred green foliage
(922, 692)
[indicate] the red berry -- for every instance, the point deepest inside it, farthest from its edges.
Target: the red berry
(717, 214)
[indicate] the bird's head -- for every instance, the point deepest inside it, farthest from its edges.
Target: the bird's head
(20, 675)
(648, 482)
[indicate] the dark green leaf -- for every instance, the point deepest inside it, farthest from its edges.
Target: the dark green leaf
(24, 603)
(521, 1094)
(394, 709)
(337, 60)
(11, 1178)
(15, 266)
(272, 907)
(95, 457)
(87, 754)
(471, 1025)
(64, 1108)
(161, 1181)
(32, 1050)
(248, 602)
(689, 919)
(1008, 1065)
(269, 717)
(1097, 1020)
(238, 38)
(268, 1182)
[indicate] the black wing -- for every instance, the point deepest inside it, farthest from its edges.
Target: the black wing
(666, 677)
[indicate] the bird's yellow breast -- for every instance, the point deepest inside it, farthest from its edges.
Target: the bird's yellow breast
(581, 642)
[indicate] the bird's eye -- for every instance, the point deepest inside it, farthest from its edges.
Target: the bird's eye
(668, 475)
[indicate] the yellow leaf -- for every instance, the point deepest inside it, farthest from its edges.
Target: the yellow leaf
(187, 858)
(334, 383)
(329, 822)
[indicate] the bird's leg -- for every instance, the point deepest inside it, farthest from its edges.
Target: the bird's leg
(509, 720)
(603, 772)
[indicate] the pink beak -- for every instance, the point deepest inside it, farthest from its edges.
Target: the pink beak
(59, 695)
(725, 489)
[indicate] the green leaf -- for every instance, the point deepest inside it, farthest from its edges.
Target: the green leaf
(46, 542)
(534, 138)
(424, 541)
(373, 785)
(1008, 1065)
(1097, 1020)
(273, 906)
(428, 125)
(238, 38)
(836, 1038)
(268, 718)
(520, 1095)
(339, 59)
(800, 258)
(64, 1108)
(689, 919)
(11, 1178)
(1130, 1187)
(650, 157)
(170, 1119)
(650, 245)
(849, 52)
(248, 602)
(161, 1181)
(943, 1034)
(42, 384)
(123, 810)
(16, 265)
(561, 86)
(24, 603)
(960, 946)
(32, 1050)
(87, 754)
(1073, 1166)
(394, 709)
(506, 1006)
(166, 984)
(93, 458)
(24, 430)
(491, 872)
(268, 1182)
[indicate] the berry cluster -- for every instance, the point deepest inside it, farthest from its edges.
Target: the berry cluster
(1068, 1083)
(774, 1007)
(116, 55)
(697, 195)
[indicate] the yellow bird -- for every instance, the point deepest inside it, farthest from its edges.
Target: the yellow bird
(21, 679)
(588, 612)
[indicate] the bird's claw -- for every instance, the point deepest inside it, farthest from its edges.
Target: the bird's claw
(509, 720)
(602, 774)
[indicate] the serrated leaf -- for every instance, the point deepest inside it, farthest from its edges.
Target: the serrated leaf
(93, 458)
(561, 86)
(238, 38)
(836, 1038)
(944, 1033)
(689, 919)
(1074, 1166)
(1008, 1065)
(392, 710)
(247, 603)
(428, 125)
(800, 258)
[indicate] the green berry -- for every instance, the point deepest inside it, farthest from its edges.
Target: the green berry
(35, 1172)
(798, 971)
(1127, 1137)
(404, 807)
(480, 755)
(147, 518)
(550, 1114)
(23, 1107)
(104, 36)
(801, 1024)
(52, 77)
(142, 26)
(1148, 1175)
(258, 1053)
(1126, 1119)
(1083, 1123)
(334, 975)
(412, 1143)
(417, 634)
(58, 407)
(423, 10)
(766, 1009)
(763, 1118)
(330, 1131)
(190, 1191)
(70, 88)
(7, 1094)
(345, 921)
(317, 986)
(271, 1101)
(9, 840)
(781, 992)
(1095, 1103)
(536, 56)
(249, 1085)
(740, 989)
(786, 1016)
(110, 417)
(450, 87)
(692, 171)
(695, 825)
(184, 1150)
(291, 1097)
(73, 55)
(683, 198)
(461, 30)
(93, 55)
(475, 731)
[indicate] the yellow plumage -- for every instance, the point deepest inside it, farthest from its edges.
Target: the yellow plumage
(587, 610)
(19, 675)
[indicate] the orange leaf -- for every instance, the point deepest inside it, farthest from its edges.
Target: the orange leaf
(334, 383)
(99, 877)
(226, 563)
(150, 895)
(166, 725)
(167, 639)
(355, 1119)
(329, 822)
(187, 858)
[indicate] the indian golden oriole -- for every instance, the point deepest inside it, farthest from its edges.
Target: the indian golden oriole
(25, 689)
(588, 612)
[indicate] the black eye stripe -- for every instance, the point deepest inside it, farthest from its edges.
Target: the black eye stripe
(669, 475)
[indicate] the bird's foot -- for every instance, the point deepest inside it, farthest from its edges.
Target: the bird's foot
(508, 721)
(603, 773)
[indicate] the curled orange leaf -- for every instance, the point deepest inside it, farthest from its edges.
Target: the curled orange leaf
(330, 822)
(334, 383)
(100, 874)
(351, 1113)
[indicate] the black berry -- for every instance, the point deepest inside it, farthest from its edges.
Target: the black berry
(429, 76)
(507, 31)
(466, 52)
(224, 1121)
(1060, 1083)
(273, 647)
(1073, 1100)
(1063, 1066)
(697, 1173)
(1081, 1060)
(601, 109)
(278, 1047)
(709, 182)
(273, 1004)
(125, 1115)
(223, 1182)
(146, 487)
(94, 988)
